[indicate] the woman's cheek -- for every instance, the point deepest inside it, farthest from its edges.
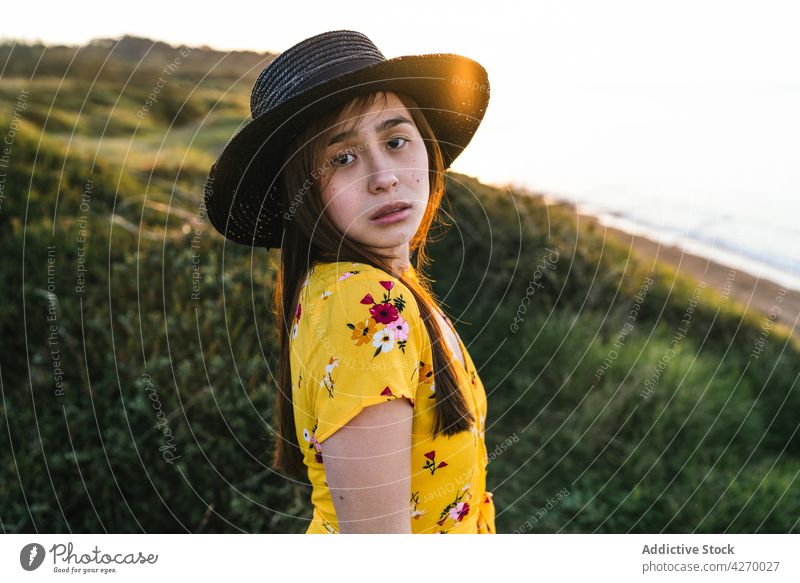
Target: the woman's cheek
(333, 206)
(348, 215)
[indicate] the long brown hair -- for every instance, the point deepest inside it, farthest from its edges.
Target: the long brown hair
(311, 236)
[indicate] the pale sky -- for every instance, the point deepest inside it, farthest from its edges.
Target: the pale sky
(585, 40)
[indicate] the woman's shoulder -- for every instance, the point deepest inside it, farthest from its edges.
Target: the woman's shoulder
(327, 273)
(347, 278)
(358, 293)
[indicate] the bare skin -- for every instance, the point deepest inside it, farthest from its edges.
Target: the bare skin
(368, 470)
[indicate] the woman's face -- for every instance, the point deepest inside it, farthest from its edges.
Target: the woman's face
(382, 160)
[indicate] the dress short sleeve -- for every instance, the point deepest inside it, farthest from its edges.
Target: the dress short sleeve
(367, 342)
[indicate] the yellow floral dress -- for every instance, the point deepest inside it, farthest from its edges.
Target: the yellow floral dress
(358, 339)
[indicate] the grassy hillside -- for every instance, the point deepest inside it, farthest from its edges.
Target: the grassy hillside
(138, 349)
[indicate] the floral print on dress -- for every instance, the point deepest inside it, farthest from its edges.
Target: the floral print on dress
(416, 513)
(383, 341)
(457, 510)
(474, 429)
(311, 439)
(327, 380)
(425, 373)
(384, 313)
(400, 329)
(426, 377)
(363, 331)
(431, 463)
(347, 274)
(297, 314)
(384, 326)
(390, 396)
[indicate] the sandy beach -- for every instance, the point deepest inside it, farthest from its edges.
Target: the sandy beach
(752, 293)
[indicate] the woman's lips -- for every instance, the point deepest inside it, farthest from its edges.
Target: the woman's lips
(393, 217)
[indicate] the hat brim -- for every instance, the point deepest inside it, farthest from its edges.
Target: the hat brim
(240, 193)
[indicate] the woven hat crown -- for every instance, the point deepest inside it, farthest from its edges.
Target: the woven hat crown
(308, 63)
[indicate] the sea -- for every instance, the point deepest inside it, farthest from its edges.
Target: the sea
(712, 169)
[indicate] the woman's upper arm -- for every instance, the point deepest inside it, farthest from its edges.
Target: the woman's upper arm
(368, 469)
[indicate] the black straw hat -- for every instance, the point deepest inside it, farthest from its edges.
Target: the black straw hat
(315, 76)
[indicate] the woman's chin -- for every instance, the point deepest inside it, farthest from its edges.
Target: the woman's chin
(387, 244)
(388, 236)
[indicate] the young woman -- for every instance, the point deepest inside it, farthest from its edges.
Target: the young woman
(379, 404)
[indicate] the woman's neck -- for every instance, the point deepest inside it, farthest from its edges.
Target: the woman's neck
(400, 264)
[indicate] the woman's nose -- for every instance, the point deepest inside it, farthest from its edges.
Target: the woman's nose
(382, 181)
(383, 177)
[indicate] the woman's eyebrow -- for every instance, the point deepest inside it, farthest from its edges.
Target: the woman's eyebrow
(383, 126)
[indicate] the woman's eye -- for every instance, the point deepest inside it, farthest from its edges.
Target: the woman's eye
(395, 140)
(340, 159)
